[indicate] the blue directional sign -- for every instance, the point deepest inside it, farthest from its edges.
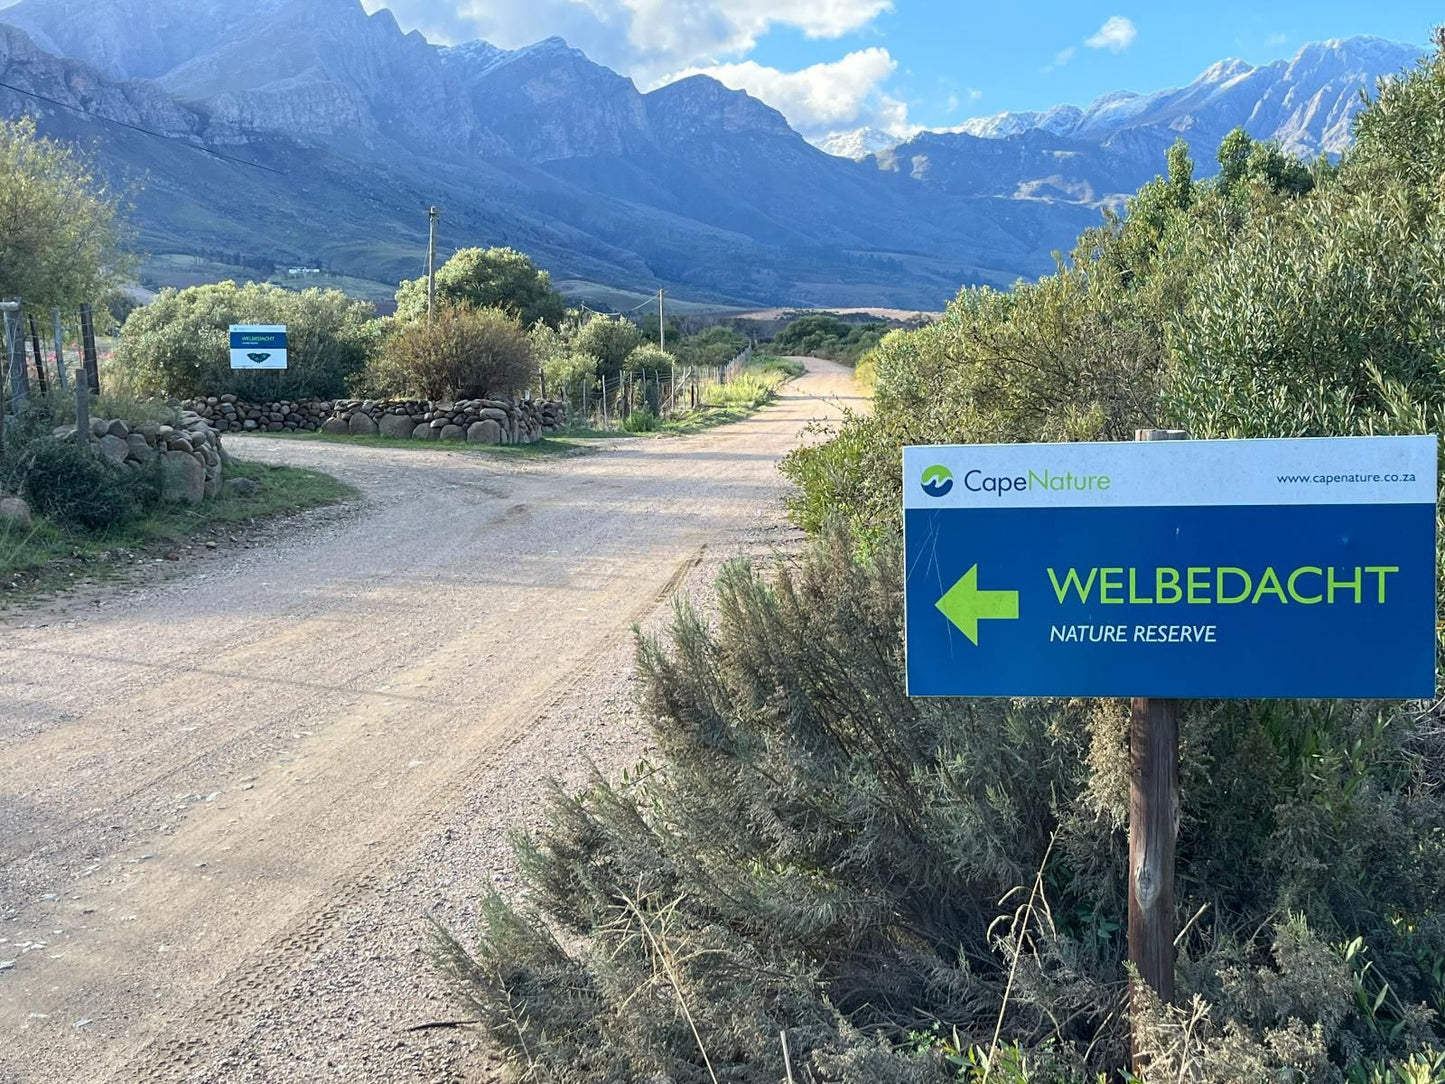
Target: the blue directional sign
(258, 346)
(1229, 568)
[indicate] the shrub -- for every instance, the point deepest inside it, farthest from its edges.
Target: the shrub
(73, 486)
(711, 347)
(641, 420)
(826, 336)
(649, 360)
(178, 345)
(610, 340)
(461, 354)
(493, 278)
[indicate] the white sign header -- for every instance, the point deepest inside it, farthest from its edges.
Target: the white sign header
(1176, 473)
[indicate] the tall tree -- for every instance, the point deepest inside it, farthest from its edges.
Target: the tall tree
(491, 278)
(61, 231)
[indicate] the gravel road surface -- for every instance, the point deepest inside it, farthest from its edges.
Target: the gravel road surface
(230, 796)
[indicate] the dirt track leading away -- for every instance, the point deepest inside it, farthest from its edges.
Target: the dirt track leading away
(227, 796)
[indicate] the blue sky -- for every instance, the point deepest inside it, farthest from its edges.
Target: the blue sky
(901, 64)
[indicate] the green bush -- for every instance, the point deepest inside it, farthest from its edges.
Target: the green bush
(492, 278)
(179, 346)
(823, 335)
(460, 354)
(642, 420)
(73, 486)
(650, 361)
(610, 340)
(713, 346)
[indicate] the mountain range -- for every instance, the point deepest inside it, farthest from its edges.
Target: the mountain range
(333, 130)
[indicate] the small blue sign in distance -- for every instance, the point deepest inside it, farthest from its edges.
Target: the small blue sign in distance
(1241, 568)
(258, 346)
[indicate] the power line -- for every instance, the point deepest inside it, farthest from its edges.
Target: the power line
(143, 131)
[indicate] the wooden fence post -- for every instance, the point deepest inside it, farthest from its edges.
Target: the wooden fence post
(1153, 829)
(82, 410)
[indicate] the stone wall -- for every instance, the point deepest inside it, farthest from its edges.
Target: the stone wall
(499, 420)
(190, 452)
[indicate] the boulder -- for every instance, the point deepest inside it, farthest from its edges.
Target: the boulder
(360, 425)
(398, 426)
(486, 431)
(118, 428)
(330, 425)
(241, 487)
(114, 448)
(184, 478)
(14, 515)
(140, 451)
(424, 431)
(99, 427)
(492, 413)
(453, 432)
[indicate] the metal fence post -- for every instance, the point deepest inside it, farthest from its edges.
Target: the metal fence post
(59, 348)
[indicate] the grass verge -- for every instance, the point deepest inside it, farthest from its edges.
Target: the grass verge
(571, 442)
(52, 556)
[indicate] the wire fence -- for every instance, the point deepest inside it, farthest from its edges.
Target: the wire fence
(608, 404)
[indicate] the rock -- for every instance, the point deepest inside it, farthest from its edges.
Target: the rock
(486, 431)
(63, 432)
(398, 426)
(179, 444)
(361, 425)
(114, 448)
(14, 515)
(493, 413)
(453, 432)
(185, 478)
(248, 424)
(99, 427)
(424, 431)
(118, 428)
(140, 451)
(330, 425)
(241, 487)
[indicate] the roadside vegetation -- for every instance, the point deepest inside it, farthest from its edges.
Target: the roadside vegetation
(816, 878)
(824, 336)
(66, 512)
(103, 523)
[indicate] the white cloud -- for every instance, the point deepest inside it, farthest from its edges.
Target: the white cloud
(1116, 35)
(824, 97)
(1062, 57)
(642, 38)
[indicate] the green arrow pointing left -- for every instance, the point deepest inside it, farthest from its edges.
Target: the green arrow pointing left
(965, 605)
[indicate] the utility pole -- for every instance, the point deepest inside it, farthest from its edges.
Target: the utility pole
(433, 213)
(661, 324)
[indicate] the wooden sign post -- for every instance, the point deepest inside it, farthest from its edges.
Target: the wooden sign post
(1153, 827)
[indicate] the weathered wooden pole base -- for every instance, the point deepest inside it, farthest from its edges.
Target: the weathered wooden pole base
(1153, 828)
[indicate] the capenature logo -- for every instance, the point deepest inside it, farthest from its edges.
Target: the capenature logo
(937, 481)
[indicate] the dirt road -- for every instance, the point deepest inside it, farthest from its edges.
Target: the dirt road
(226, 797)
